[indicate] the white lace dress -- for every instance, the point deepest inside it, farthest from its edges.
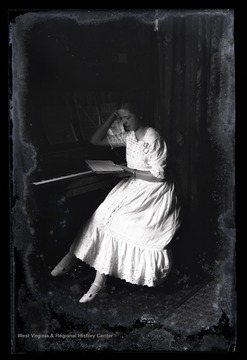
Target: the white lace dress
(128, 234)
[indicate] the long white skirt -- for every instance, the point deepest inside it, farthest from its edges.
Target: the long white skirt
(128, 235)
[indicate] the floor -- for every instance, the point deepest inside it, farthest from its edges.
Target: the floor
(184, 314)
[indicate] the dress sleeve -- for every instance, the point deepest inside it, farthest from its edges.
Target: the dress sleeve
(118, 140)
(157, 158)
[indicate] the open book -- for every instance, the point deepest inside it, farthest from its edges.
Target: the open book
(104, 166)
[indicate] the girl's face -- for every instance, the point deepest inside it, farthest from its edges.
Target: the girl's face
(130, 121)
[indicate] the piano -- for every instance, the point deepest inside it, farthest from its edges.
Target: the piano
(61, 136)
(64, 192)
(76, 73)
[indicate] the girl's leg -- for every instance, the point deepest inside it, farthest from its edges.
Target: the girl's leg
(66, 264)
(96, 287)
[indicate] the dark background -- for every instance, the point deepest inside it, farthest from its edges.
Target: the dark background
(179, 72)
(66, 68)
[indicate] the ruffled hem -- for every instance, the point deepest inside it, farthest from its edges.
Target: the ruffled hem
(111, 256)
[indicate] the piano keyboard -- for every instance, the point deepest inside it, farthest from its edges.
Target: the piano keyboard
(62, 178)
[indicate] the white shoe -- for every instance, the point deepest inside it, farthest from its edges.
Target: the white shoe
(66, 264)
(92, 292)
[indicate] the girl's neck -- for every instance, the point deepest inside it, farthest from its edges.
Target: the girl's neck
(140, 132)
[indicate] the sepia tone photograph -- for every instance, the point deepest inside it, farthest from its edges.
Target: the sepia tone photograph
(122, 176)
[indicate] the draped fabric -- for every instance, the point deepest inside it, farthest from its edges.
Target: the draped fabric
(196, 105)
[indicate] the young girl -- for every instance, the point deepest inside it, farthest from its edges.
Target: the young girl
(128, 234)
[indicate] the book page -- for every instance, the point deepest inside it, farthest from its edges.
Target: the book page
(103, 166)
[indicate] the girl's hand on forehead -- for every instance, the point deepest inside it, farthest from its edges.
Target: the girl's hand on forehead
(121, 112)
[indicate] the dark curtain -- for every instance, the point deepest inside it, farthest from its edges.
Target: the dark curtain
(196, 113)
(196, 117)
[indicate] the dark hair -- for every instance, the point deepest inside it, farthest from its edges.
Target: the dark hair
(132, 104)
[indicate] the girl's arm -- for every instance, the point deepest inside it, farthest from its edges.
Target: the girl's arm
(99, 137)
(141, 174)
